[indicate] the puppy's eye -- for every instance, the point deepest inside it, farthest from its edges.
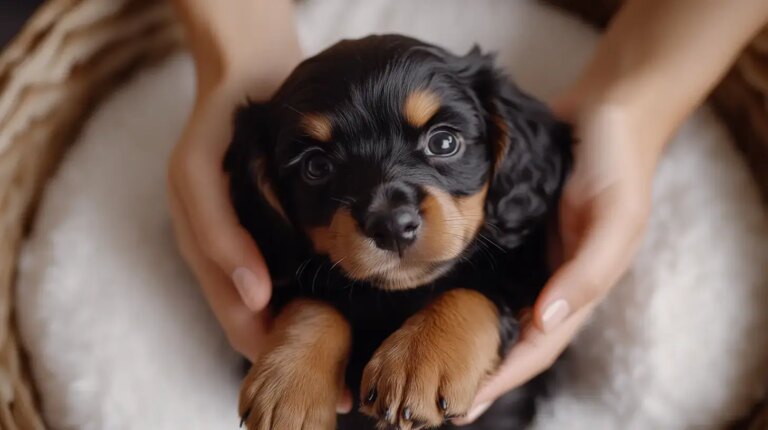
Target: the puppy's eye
(442, 143)
(317, 167)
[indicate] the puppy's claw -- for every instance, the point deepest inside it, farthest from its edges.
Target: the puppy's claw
(388, 414)
(443, 403)
(407, 414)
(244, 418)
(371, 396)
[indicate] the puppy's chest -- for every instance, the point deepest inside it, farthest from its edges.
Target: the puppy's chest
(366, 307)
(375, 312)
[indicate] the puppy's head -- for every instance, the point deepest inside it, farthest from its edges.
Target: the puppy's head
(390, 155)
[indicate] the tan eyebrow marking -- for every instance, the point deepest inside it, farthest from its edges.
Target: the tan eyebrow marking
(263, 185)
(317, 126)
(420, 106)
(501, 142)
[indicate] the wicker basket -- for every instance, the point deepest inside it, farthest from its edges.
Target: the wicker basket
(72, 52)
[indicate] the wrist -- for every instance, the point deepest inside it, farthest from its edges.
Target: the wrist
(250, 44)
(253, 72)
(628, 103)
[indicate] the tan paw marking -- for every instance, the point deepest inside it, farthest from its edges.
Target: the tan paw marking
(295, 384)
(430, 369)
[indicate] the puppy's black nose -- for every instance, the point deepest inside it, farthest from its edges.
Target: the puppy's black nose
(394, 229)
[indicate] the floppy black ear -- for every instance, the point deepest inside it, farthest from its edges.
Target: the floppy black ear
(246, 161)
(530, 151)
(254, 194)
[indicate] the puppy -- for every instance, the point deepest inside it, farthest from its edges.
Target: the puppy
(400, 196)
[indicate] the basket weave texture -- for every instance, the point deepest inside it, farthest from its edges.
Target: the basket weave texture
(72, 52)
(68, 55)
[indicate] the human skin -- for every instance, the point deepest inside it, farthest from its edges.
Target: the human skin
(657, 61)
(655, 64)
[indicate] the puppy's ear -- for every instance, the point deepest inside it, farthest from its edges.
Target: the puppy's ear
(247, 162)
(254, 194)
(530, 152)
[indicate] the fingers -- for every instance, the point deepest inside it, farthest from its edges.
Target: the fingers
(344, 405)
(600, 254)
(535, 352)
(602, 216)
(245, 329)
(197, 180)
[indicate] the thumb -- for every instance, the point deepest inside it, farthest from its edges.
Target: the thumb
(223, 241)
(230, 247)
(600, 258)
(238, 256)
(201, 190)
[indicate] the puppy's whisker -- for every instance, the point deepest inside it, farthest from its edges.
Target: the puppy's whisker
(351, 286)
(314, 278)
(485, 252)
(302, 114)
(493, 226)
(490, 241)
(302, 267)
(336, 263)
(463, 218)
(342, 201)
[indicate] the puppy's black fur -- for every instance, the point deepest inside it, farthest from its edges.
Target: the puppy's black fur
(511, 144)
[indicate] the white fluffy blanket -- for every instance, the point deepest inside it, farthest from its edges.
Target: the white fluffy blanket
(120, 337)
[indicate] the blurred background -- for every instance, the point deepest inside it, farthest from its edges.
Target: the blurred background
(13, 13)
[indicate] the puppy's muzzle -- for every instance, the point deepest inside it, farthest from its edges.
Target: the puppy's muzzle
(393, 220)
(394, 230)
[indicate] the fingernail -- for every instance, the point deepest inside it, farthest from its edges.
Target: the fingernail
(343, 409)
(344, 405)
(247, 285)
(476, 412)
(555, 314)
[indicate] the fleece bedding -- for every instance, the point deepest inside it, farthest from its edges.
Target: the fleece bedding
(120, 338)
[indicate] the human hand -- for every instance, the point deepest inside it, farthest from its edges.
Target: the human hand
(655, 63)
(241, 49)
(603, 212)
(222, 255)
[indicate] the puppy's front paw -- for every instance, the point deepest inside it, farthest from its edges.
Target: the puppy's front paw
(278, 395)
(430, 369)
(295, 384)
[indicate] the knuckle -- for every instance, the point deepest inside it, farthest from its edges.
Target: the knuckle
(570, 200)
(238, 348)
(185, 163)
(591, 287)
(215, 246)
(548, 362)
(241, 346)
(589, 280)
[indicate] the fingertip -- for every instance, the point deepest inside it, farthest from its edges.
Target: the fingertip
(344, 405)
(254, 290)
(247, 332)
(553, 314)
(473, 414)
(552, 306)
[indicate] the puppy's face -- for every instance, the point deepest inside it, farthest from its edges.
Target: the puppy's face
(383, 152)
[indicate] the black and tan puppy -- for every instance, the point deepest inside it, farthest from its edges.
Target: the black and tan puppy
(400, 196)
